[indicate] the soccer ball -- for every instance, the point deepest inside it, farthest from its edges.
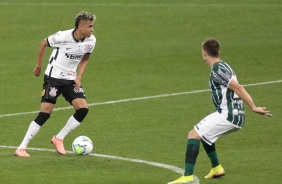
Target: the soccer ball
(82, 145)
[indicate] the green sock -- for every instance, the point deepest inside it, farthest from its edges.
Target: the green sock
(193, 147)
(213, 158)
(211, 152)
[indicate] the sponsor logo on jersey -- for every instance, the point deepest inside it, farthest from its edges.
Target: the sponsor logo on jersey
(236, 112)
(225, 75)
(217, 78)
(237, 101)
(73, 57)
(63, 74)
(53, 92)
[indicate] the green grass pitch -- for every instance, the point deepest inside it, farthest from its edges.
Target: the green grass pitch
(145, 49)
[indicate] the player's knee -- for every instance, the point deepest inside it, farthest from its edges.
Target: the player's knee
(193, 135)
(80, 114)
(41, 118)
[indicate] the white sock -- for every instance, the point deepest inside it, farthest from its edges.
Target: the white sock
(31, 132)
(71, 124)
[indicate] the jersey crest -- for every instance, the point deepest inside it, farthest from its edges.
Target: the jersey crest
(53, 92)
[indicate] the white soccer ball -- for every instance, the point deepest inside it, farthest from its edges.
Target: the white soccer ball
(82, 145)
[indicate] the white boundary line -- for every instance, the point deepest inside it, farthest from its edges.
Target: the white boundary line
(165, 166)
(156, 164)
(136, 99)
(135, 4)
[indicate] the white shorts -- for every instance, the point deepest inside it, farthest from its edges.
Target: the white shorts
(214, 126)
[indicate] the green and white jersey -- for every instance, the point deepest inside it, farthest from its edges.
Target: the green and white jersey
(226, 101)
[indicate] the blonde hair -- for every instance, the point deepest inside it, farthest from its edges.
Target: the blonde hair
(83, 15)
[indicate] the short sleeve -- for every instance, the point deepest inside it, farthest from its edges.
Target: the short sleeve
(92, 42)
(55, 40)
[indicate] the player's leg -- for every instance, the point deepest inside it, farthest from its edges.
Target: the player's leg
(48, 99)
(192, 151)
(217, 170)
(81, 110)
(78, 100)
(34, 127)
(205, 130)
(210, 129)
(212, 154)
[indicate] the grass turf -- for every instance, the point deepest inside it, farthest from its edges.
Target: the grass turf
(144, 48)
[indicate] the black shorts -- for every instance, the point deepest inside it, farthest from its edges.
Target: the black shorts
(52, 88)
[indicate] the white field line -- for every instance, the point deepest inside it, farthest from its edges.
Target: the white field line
(136, 4)
(136, 99)
(156, 164)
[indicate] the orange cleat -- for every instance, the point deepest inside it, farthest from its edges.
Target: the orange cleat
(21, 153)
(59, 145)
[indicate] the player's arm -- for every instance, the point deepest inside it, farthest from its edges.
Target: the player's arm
(42, 47)
(82, 65)
(244, 95)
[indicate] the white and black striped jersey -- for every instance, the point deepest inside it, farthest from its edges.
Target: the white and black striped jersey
(226, 101)
(67, 54)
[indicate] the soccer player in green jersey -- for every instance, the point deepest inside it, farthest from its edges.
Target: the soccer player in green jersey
(228, 96)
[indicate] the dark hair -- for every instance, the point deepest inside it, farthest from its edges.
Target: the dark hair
(83, 15)
(211, 46)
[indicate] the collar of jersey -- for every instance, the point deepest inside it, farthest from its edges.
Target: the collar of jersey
(76, 39)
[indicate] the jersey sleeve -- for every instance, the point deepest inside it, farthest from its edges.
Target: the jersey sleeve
(221, 75)
(92, 45)
(55, 40)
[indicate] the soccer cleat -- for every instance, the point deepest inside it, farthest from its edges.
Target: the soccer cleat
(183, 180)
(59, 145)
(21, 153)
(216, 172)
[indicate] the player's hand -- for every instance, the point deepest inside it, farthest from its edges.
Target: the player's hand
(262, 111)
(37, 71)
(77, 84)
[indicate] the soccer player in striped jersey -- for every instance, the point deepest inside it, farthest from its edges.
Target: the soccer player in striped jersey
(70, 56)
(228, 96)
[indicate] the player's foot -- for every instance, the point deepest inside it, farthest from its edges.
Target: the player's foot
(216, 172)
(183, 180)
(59, 145)
(21, 153)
